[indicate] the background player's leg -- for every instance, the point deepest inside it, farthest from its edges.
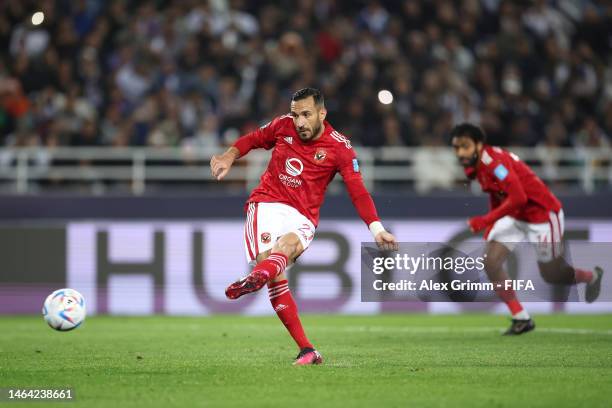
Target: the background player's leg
(495, 257)
(553, 266)
(559, 272)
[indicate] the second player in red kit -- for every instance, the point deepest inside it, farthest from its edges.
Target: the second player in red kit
(282, 212)
(522, 208)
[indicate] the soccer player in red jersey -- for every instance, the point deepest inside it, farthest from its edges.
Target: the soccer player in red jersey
(283, 210)
(522, 208)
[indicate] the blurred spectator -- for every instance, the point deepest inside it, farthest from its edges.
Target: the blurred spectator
(197, 73)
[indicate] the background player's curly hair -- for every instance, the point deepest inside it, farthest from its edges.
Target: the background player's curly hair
(468, 130)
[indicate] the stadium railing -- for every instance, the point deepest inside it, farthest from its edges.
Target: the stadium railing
(30, 169)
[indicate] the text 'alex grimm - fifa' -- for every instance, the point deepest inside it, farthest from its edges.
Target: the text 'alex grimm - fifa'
(408, 285)
(458, 265)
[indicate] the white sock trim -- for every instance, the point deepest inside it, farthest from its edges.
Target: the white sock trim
(522, 315)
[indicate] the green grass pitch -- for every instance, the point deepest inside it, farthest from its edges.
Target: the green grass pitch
(370, 361)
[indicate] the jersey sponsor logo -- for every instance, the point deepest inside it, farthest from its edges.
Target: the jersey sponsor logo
(294, 166)
(340, 138)
(355, 165)
(288, 139)
(289, 181)
(501, 172)
(486, 157)
(320, 155)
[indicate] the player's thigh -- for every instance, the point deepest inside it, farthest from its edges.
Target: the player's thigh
(508, 232)
(496, 254)
(296, 229)
(290, 245)
(505, 234)
(547, 238)
(263, 226)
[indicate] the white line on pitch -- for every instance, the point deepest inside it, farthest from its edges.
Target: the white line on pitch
(449, 329)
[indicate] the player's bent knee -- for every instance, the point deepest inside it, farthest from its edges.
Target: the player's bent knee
(495, 257)
(492, 264)
(263, 255)
(290, 245)
(552, 271)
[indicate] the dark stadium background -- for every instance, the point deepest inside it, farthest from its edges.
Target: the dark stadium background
(111, 110)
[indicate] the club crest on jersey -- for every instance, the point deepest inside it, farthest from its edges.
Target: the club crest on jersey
(320, 155)
(265, 238)
(288, 139)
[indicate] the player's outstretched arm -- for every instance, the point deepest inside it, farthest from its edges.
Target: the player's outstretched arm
(362, 200)
(515, 198)
(220, 165)
(264, 137)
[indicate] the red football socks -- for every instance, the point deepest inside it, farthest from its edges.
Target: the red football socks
(508, 296)
(273, 265)
(583, 276)
(287, 311)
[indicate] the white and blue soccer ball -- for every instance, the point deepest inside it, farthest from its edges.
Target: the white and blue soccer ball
(64, 309)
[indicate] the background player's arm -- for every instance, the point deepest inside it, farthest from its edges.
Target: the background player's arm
(494, 202)
(515, 198)
(264, 137)
(362, 200)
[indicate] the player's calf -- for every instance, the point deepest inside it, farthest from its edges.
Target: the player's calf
(559, 272)
(496, 255)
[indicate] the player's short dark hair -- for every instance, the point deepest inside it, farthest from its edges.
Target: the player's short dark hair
(307, 92)
(468, 130)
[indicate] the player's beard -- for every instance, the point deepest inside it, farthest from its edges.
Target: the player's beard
(314, 132)
(471, 162)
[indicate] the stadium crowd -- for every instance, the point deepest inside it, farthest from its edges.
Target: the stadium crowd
(199, 73)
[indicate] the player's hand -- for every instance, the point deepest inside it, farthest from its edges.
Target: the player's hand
(220, 165)
(477, 223)
(386, 241)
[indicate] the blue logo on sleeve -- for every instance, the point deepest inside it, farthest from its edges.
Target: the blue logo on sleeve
(500, 172)
(355, 166)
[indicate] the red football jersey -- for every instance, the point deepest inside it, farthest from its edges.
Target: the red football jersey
(299, 172)
(499, 168)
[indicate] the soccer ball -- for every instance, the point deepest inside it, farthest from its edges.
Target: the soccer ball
(64, 309)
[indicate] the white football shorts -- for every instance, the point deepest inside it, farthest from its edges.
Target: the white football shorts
(267, 222)
(548, 235)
